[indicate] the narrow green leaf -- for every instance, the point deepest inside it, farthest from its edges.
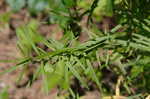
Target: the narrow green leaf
(93, 74)
(76, 74)
(22, 63)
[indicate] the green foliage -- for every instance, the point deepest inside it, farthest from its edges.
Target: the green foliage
(5, 17)
(4, 94)
(28, 37)
(123, 50)
(104, 7)
(34, 6)
(16, 5)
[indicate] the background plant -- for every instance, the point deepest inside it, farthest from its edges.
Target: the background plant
(4, 93)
